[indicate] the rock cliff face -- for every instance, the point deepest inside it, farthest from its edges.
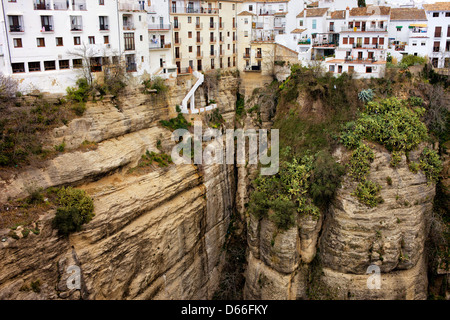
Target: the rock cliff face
(352, 238)
(155, 235)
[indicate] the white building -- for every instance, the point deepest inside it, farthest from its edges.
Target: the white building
(438, 15)
(408, 32)
(42, 40)
(160, 39)
(363, 43)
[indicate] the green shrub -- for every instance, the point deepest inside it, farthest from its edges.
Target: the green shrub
(325, 178)
(75, 208)
(177, 108)
(414, 167)
(240, 104)
(411, 60)
(81, 92)
(157, 84)
(359, 165)
(148, 158)
(367, 193)
(431, 164)
(60, 147)
(389, 181)
(179, 122)
(396, 158)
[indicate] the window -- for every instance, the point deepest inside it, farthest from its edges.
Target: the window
(233, 6)
(190, 34)
(76, 23)
(447, 14)
(64, 64)
(414, 43)
(141, 38)
(17, 42)
(15, 23)
(399, 29)
(423, 44)
(331, 68)
(59, 41)
(34, 66)
(49, 65)
(250, 8)
(103, 22)
(448, 31)
(220, 5)
(212, 63)
(106, 39)
(245, 33)
(101, 2)
(245, 21)
(381, 42)
(18, 67)
(435, 14)
(76, 40)
(301, 23)
(190, 48)
(314, 24)
(436, 46)
(77, 63)
(340, 69)
(368, 69)
(40, 42)
(46, 23)
(437, 32)
(129, 40)
(345, 41)
(189, 19)
(91, 39)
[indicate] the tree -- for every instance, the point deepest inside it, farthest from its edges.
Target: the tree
(85, 53)
(8, 87)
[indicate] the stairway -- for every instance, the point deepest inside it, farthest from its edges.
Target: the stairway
(191, 96)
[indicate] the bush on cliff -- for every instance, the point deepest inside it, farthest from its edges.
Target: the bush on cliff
(75, 208)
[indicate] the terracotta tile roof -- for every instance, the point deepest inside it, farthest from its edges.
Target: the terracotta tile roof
(340, 14)
(407, 14)
(314, 4)
(280, 13)
(370, 10)
(438, 6)
(316, 12)
(298, 30)
(246, 13)
(266, 0)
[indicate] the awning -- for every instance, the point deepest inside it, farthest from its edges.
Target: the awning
(399, 27)
(420, 25)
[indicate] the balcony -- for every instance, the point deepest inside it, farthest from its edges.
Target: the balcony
(196, 10)
(198, 26)
(159, 46)
(178, 55)
(62, 5)
(159, 26)
(221, 25)
(438, 34)
(246, 56)
(128, 26)
(212, 25)
(280, 25)
(367, 46)
(177, 25)
(130, 7)
(221, 53)
(199, 54)
(199, 40)
(104, 27)
(79, 5)
(361, 29)
(212, 39)
(304, 42)
(264, 12)
(222, 40)
(258, 55)
(77, 27)
(41, 5)
(177, 41)
(360, 60)
(15, 28)
(213, 53)
(47, 28)
(253, 68)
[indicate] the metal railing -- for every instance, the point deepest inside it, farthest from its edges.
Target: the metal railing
(199, 54)
(212, 39)
(212, 25)
(199, 26)
(76, 27)
(42, 6)
(47, 28)
(199, 40)
(131, 67)
(128, 26)
(213, 53)
(15, 28)
(63, 5)
(366, 29)
(196, 10)
(159, 26)
(156, 46)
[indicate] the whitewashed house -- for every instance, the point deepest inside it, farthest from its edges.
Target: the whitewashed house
(438, 15)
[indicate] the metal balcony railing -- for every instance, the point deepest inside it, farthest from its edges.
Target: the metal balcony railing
(213, 53)
(196, 10)
(79, 5)
(104, 27)
(177, 41)
(221, 25)
(128, 26)
(15, 28)
(62, 5)
(178, 55)
(76, 27)
(212, 25)
(361, 29)
(159, 26)
(47, 28)
(212, 39)
(199, 54)
(199, 26)
(199, 40)
(42, 6)
(246, 56)
(156, 46)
